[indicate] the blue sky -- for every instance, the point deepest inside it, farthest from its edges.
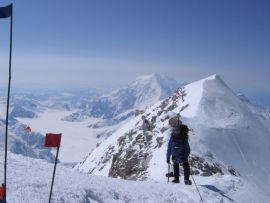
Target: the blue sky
(91, 43)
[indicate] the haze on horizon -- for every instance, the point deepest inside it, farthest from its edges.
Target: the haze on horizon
(93, 44)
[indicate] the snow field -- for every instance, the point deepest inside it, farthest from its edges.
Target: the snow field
(77, 138)
(32, 184)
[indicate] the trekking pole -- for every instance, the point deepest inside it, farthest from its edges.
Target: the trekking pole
(197, 188)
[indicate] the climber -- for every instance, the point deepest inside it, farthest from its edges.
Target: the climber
(146, 124)
(179, 149)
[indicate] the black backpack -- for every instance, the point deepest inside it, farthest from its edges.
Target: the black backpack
(180, 132)
(180, 141)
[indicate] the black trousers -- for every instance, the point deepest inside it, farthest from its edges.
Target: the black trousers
(177, 171)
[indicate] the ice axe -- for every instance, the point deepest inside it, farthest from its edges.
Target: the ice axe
(170, 173)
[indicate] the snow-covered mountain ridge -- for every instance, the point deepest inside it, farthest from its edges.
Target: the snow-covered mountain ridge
(223, 138)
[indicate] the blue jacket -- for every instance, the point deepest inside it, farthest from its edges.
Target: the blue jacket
(178, 148)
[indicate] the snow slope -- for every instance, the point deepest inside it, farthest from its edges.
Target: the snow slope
(231, 131)
(262, 112)
(226, 138)
(28, 180)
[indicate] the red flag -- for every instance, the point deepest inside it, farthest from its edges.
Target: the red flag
(52, 140)
(2, 191)
(28, 129)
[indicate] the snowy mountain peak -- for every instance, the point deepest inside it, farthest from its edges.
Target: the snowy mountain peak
(161, 86)
(149, 88)
(214, 78)
(152, 78)
(140, 94)
(147, 77)
(202, 89)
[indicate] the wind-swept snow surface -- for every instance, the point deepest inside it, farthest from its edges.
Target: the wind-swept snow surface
(28, 180)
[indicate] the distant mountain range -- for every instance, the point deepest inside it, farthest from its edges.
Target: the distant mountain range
(121, 103)
(108, 110)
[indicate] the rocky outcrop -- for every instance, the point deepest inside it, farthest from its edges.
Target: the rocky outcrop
(132, 159)
(199, 166)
